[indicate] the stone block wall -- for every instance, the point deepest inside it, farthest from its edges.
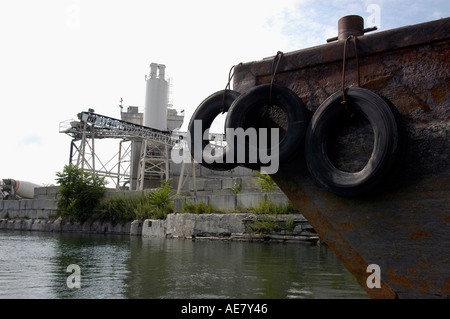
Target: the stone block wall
(227, 227)
(28, 208)
(233, 202)
(39, 214)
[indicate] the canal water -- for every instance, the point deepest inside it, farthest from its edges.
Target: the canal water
(35, 265)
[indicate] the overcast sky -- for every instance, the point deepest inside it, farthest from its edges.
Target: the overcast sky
(60, 57)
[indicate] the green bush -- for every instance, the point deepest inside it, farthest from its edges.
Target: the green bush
(118, 208)
(156, 204)
(79, 193)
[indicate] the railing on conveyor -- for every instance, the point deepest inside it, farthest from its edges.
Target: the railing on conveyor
(102, 126)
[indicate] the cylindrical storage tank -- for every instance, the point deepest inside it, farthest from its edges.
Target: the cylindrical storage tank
(156, 98)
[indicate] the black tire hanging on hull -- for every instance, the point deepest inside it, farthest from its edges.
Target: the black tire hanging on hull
(252, 110)
(206, 112)
(384, 121)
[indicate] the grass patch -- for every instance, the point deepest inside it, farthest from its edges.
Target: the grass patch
(197, 208)
(268, 207)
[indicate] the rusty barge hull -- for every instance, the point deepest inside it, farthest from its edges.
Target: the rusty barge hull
(403, 226)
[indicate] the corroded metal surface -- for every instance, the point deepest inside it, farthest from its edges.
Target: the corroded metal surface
(404, 226)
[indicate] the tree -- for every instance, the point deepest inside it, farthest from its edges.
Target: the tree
(79, 192)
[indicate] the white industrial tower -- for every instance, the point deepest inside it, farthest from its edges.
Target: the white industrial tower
(156, 98)
(154, 157)
(145, 142)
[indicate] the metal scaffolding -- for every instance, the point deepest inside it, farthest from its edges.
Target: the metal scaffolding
(152, 145)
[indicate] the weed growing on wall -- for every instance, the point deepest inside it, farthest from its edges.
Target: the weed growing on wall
(265, 182)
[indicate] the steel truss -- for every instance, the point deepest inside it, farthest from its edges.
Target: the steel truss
(154, 154)
(153, 162)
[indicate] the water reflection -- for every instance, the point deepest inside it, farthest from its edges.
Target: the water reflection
(34, 266)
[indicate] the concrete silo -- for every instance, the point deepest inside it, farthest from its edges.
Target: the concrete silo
(156, 98)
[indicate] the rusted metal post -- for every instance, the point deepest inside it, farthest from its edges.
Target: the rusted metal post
(350, 25)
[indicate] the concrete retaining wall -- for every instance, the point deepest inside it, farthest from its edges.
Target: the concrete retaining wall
(232, 202)
(57, 225)
(191, 225)
(178, 225)
(28, 208)
(39, 214)
(44, 205)
(226, 226)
